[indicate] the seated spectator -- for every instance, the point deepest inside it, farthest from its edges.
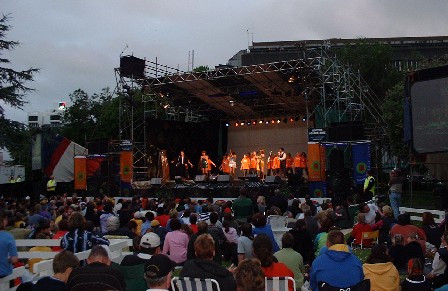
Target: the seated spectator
(384, 225)
(114, 229)
(320, 241)
(438, 274)
(414, 248)
(244, 249)
(202, 229)
(193, 219)
(78, 239)
(260, 227)
(203, 265)
(149, 245)
(63, 265)
(159, 230)
(158, 272)
(97, 274)
(360, 227)
(370, 211)
(398, 253)
(63, 229)
(176, 243)
(302, 241)
(8, 249)
(217, 233)
(249, 276)
(311, 223)
(416, 280)
(271, 268)
(107, 212)
(405, 228)
(292, 259)
(138, 220)
(149, 216)
(336, 266)
(432, 231)
(35, 260)
(231, 243)
(379, 269)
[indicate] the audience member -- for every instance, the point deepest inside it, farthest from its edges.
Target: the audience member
(360, 227)
(398, 253)
(416, 281)
(249, 276)
(260, 227)
(414, 248)
(379, 269)
(292, 259)
(264, 252)
(149, 216)
(97, 274)
(405, 228)
(203, 265)
(242, 207)
(245, 249)
(8, 250)
(370, 210)
(149, 245)
(63, 265)
(384, 225)
(302, 241)
(432, 231)
(438, 274)
(337, 266)
(158, 272)
(176, 243)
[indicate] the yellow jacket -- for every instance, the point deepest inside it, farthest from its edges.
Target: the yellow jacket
(383, 276)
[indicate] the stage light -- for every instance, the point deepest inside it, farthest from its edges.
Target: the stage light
(232, 103)
(261, 121)
(237, 123)
(227, 124)
(278, 120)
(248, 122)
(242, 123)
(304, 118)
(273, 121)
(291, 119)
(267, 121)
(254, 122)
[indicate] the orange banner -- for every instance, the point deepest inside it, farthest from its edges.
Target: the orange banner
(80, 172)
(126, 168)
(316, 162)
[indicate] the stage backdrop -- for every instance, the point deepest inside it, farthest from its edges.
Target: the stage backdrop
(292, 136)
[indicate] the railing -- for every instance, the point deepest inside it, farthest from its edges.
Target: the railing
(439, 215)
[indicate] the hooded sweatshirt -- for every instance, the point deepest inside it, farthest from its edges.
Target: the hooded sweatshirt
(337, 267)
(204, 269)
(383, 276)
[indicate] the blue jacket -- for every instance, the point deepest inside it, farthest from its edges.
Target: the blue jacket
(337, 268)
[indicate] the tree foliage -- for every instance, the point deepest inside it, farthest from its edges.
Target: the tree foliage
(12, 82)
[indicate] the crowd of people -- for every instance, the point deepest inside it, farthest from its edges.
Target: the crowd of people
(200, 237)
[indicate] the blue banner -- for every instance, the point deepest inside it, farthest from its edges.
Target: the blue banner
(361, 161)
(318, 189)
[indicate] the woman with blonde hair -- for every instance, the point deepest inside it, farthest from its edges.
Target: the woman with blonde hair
(249, 276)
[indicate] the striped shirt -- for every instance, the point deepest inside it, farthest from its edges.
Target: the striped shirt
(81, 240)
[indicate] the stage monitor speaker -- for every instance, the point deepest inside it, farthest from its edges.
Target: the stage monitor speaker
(224, 178)
(178, 179)
(253, 178)
(273, 180)
(200, 178)
(132, 67)
(156, 181)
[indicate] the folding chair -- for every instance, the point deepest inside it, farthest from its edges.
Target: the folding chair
(194, 284)
(279, 283)
(277, 221)
(367, 235)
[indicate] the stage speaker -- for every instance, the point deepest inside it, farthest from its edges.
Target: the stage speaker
(253, 178)
(336, 160)
(273, 180)
(178, 179)
(132, 67)
(156, 181)
(200, 178)
(224, 178)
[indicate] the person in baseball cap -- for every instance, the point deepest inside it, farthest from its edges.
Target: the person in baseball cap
(149, 246)
(158, 272)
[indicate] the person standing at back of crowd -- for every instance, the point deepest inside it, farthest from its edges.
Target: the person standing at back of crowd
(396, 187)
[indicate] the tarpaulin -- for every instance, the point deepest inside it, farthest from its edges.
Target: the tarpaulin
(361, 161)
(80, 172)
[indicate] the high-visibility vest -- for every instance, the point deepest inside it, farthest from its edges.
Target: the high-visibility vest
(51, 185)
(367, 182)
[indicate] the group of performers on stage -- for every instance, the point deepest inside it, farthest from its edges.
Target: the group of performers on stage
(280, 163)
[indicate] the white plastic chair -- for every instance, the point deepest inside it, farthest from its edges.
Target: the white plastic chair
(279, 283)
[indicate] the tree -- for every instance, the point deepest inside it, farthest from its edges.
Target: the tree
(13, 135)
(12, 82)
(201, 69)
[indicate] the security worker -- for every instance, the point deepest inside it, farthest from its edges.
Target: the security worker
(51, 186)
(369, 186)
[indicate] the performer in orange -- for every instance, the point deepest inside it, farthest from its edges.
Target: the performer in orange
(296, 164)
(269, 164)
(225, 168)
(276, 165)
(289, 162)
(260, 167)
(253, 163)
(304, 162)
(203, 163)
(245, 164)
(232, 162)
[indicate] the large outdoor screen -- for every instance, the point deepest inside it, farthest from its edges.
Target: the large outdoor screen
(429, 101)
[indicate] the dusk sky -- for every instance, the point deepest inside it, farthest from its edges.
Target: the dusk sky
(77, 44)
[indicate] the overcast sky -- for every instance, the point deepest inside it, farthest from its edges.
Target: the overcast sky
(77, 44)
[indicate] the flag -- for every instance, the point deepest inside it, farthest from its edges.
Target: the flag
(80, 172)
(57, 156)
(361, 161)
(126, 167)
